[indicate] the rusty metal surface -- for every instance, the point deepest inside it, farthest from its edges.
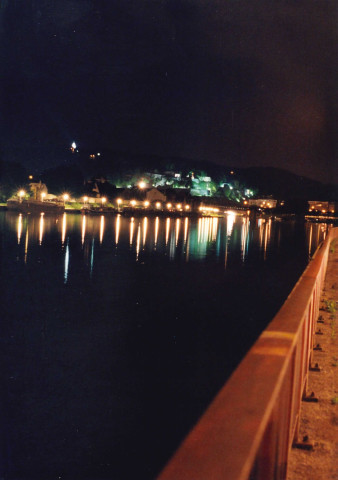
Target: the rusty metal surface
(249, 427)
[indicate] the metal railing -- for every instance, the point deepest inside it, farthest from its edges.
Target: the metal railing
(249, 428)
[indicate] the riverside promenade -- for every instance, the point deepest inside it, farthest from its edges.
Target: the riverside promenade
(319, 420)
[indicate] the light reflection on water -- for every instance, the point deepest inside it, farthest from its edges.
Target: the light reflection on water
(146, 318)
(189, 239)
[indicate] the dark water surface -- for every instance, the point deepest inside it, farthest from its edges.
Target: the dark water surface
(116, 333)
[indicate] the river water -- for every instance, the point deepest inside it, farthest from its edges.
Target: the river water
(117, 332)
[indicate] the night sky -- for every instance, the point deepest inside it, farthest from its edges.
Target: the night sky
(238, 83)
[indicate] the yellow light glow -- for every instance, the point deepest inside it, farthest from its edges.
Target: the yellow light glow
(167, 230)
(117, 229)
(245, 202)
(119, 201)
(83, 230)
(145, 229)
(142, 184)
(66, 197)
(41, 228)
(103, 199)
(187, 207)
(132, 226)
(64, 227)
(179, 206)
(30, 177)
(43, 194)
(158, 205)
(186, 224)
(101, 228)
(146, 203)
(323, 211)
(19, 228)
(133, 203)
(85, 199)
(21, 193)
(169, 205)
(157, 222)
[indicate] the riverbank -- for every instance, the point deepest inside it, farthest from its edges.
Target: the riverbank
(319, 420)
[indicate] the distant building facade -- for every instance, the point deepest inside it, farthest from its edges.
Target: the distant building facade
(262, 202)
(154, 195)
(322, 206)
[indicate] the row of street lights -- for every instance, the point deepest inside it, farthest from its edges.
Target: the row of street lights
(119, 201)
(134, 203)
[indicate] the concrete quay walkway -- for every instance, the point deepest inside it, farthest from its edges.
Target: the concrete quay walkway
(319, 420)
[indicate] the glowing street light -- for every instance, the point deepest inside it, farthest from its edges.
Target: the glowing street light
(179, 206)
(65, 197)
(169, 205)
(43, 195)
(146, 203)
(142, 184)
(133, 203)
(85, 200)
(21, 194)
(187, 207)
(103, 200)
(118, 201)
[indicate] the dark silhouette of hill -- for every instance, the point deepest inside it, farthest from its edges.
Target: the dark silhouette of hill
(284, 184)
(273, 181)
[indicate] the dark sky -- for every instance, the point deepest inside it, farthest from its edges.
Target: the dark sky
(235, 82)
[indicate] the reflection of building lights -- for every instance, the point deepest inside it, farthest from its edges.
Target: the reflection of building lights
(117, 232)
(19, 228)
(157, 221)
(64, 227)
(132, 225)
(83, 231)
(167, 230)
(41, 228)
(101, 228)
(145, 229)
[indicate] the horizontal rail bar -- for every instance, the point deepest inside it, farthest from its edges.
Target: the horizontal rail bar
(248, 429)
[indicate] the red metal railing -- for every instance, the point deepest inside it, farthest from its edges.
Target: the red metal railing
(248, 430)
